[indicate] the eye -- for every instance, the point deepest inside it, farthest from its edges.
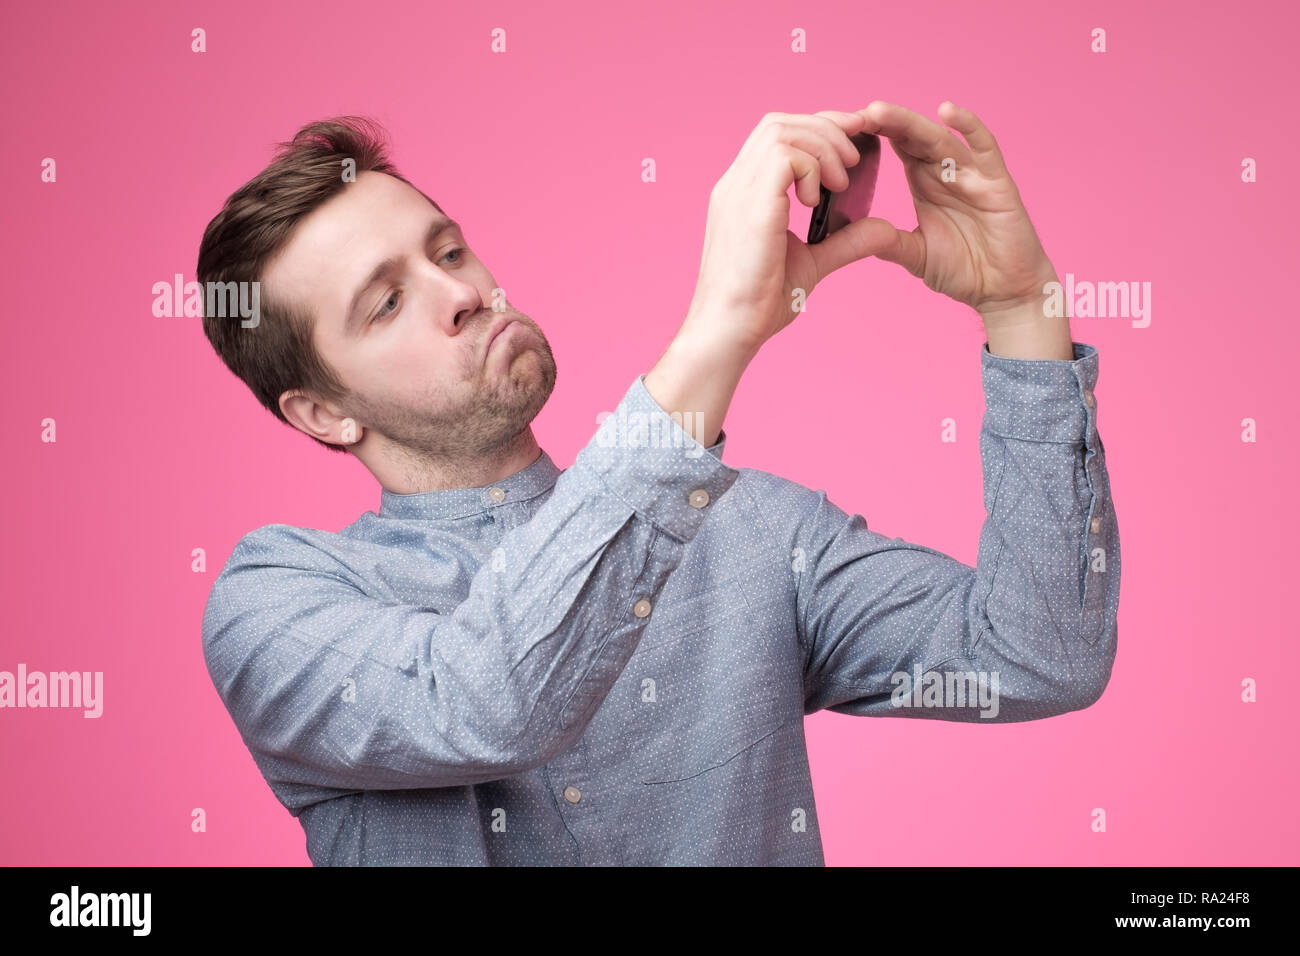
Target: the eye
(385, 312)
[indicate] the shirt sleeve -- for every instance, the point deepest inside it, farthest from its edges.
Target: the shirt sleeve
(895, 629)
(332, 687)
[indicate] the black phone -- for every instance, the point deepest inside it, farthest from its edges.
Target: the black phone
(837, 210)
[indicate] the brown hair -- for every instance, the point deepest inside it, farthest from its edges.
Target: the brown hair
(276, 354)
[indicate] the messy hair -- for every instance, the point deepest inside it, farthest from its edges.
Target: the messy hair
(276, 353)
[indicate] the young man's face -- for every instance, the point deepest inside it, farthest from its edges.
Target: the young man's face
(411, 345)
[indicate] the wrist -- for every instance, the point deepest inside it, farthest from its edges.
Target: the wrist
(1023, 328)
(696, 377)
(709, 340)
(1026, 333)
(716, 333)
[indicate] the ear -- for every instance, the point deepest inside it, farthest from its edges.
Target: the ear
(313, 418)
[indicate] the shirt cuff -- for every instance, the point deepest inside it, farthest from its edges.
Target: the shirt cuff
(646, 458)
(1041, 399)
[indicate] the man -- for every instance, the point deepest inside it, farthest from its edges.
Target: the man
(608, 665)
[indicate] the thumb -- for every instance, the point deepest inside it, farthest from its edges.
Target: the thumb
(870, 237)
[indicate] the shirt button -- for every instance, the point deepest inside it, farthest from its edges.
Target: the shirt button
(1088, 399)
(1096, 525)
(641, 608)
(699, 498)
(572, 794)
(497, 494)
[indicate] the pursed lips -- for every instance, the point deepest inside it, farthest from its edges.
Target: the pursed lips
(492, 338)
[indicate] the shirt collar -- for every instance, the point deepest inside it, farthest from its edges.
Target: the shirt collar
(528, 482)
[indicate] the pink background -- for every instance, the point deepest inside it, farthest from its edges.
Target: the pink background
(1130, 165)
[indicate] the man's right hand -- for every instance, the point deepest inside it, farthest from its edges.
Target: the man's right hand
(752, 263)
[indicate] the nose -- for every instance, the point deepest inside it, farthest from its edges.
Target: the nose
(465, 304)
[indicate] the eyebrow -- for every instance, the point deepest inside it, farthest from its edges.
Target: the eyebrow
(386, 269)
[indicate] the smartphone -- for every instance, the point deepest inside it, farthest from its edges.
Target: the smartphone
(837, 210)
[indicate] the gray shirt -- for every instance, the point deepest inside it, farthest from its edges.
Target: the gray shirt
(610, 664)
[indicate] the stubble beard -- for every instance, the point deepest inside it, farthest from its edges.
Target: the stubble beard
(491, 411)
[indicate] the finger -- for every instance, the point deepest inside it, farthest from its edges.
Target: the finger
(869, 237)
(983, 147)
(783, 164)
(817, 136)
(840, 126)
(834, 124)
(907, 249)
(783, 153)
(915, 135)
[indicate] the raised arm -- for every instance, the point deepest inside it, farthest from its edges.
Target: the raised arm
(898, 629)
(895, 629)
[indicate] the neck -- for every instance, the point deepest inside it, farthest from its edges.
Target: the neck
(402, 473)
